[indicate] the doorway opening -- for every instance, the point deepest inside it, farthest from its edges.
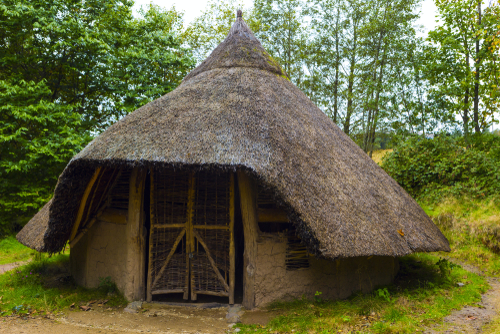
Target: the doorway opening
(195, 249)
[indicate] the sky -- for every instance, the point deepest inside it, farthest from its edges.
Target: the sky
(193, 8)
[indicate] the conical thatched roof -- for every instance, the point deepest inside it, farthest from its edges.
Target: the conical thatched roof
(239, 110)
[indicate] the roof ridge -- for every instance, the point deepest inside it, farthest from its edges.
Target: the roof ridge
(240, 28)
(239, 49)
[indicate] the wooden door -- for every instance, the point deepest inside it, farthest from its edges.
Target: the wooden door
(191, 244)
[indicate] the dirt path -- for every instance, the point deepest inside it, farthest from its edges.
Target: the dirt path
(472, 319)
(9, 266)
(164, 320)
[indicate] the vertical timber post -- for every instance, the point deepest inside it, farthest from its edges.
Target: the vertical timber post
(190, 238)
(136, 266)
(149, 296)
(248, 196)
(232, 252)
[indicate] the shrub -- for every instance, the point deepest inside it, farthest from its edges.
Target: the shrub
(432, 168)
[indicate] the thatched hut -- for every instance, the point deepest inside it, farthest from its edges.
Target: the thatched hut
(235, 180)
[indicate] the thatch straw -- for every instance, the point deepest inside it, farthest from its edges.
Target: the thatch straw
(32, 234)
(239, 110)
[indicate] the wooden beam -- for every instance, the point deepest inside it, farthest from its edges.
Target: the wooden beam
(232, 252)
(162, 292)
(83, 201)
(169, 225)
(214, 293)
(152, 217)
(135, 265)
(248, 197)
(211, 227)
(190, 236)
(272, 216)
(211, 260)
(82, 232)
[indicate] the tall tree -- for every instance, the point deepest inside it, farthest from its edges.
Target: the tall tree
(210, 28)
(69, 69)
(458, 54)
(281, 33)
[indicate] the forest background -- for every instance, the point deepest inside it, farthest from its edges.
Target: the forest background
(71, 68)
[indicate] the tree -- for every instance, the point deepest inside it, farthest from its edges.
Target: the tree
(69, 69)
(210, 28)
(281, 33)
(462, 61)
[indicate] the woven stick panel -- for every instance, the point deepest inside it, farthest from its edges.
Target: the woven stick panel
(296, 253)
(212, 199)
(119, 193)
(99, 193)
(170, 197)
(173, 276)
(205, 278)
(217, 242)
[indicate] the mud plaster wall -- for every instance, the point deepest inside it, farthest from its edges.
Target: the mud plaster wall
(335, 279)
(100, 253)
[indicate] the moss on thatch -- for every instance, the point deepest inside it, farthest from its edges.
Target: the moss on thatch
(236, 110)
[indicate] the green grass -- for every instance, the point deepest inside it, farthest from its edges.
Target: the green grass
(42, 286)
(473, 229)
(13, 251)
(424, 292)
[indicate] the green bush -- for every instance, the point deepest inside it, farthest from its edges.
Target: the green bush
(430, 169)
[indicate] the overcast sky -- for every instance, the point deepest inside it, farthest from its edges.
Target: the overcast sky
(193, 8)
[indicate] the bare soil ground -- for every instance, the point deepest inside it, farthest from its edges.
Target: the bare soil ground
(112, 320)
(471, 319)
(9, 266)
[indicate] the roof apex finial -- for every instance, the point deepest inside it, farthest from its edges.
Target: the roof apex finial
(239, 13)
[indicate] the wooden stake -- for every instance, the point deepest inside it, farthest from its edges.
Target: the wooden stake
(83, 201)
(248, 196)
(232, 252)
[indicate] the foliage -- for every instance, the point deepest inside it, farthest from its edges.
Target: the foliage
(37, 138)
(210, 28)
(30, 289)
(420, 296)
(107, 285)
(431, 169)
(13, 251)
(281, 33)
(69, 69)
(472, 227)
(462, 62)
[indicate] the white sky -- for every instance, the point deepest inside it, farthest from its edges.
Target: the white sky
(193, 8)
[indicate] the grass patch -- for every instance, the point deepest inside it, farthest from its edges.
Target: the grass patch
(44, 286)
(424, 292)
(473, 229)
(379, 154)
(12, 250)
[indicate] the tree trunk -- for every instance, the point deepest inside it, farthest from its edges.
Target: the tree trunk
(350, 87)
(337, 64)
(465, 116)
(377, 99)
(477, 128)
